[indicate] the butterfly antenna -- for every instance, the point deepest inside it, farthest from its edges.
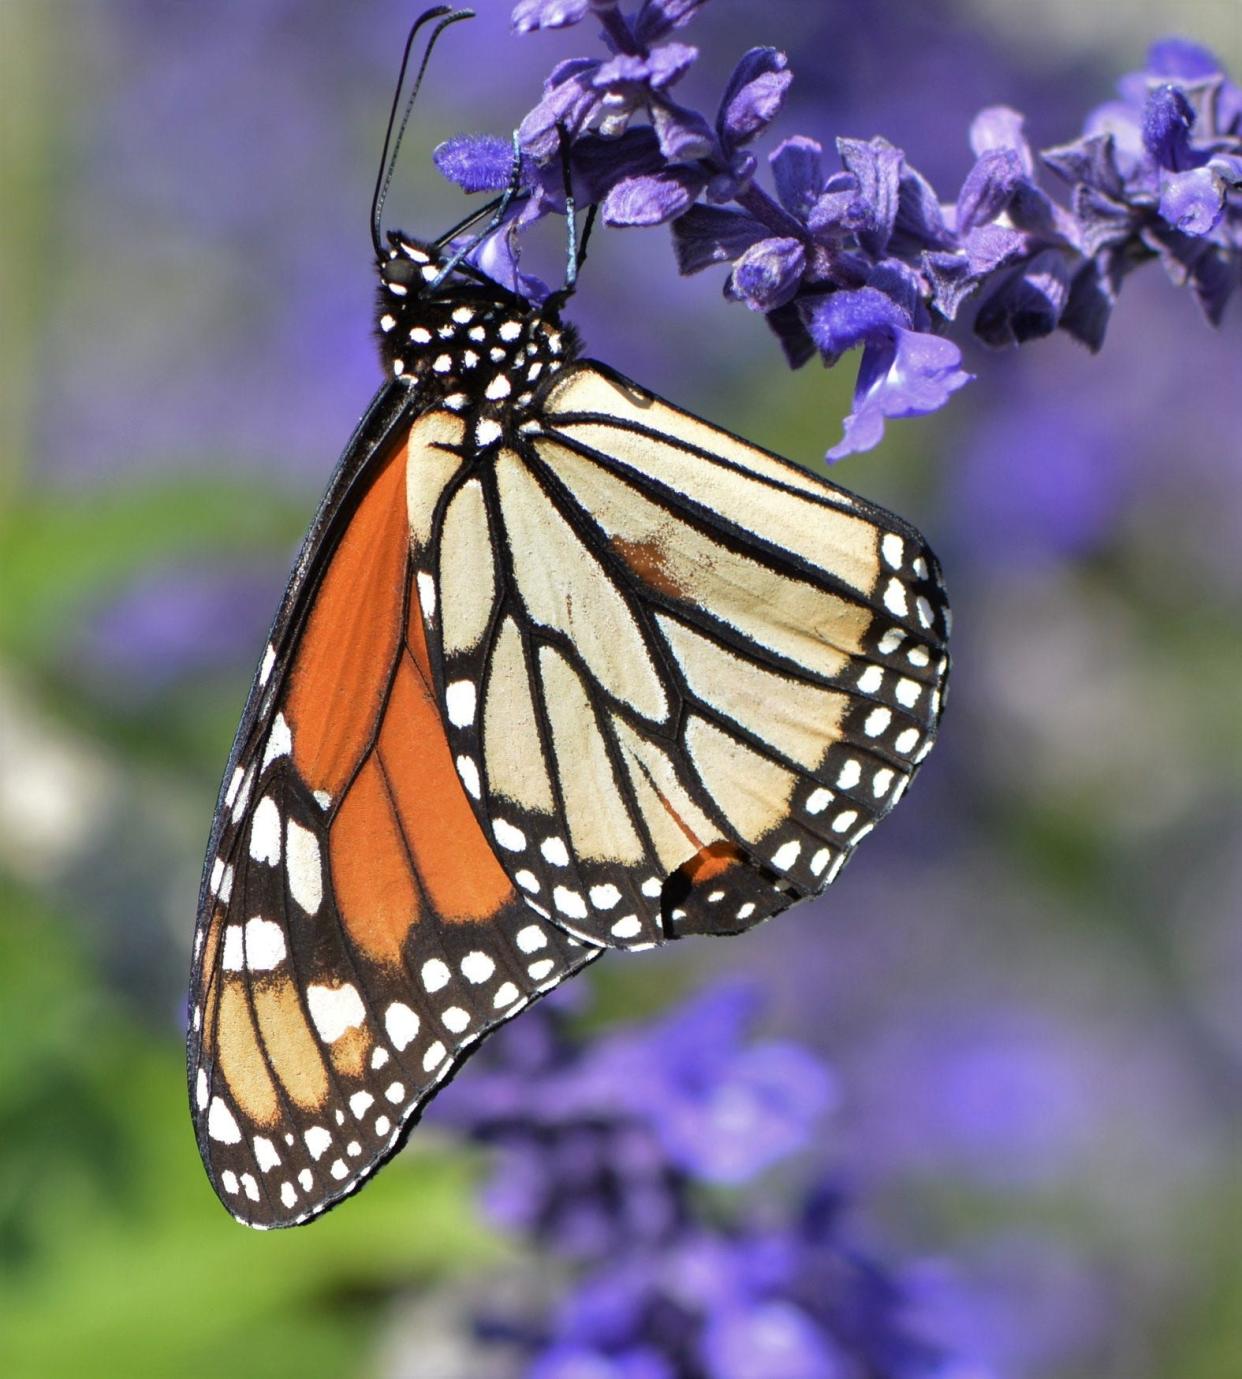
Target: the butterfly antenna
(396, 132)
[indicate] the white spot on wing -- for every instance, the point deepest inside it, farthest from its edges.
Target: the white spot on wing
(893, 549)
(569, 902)
(427, 595)
(539, 970)
(895, 597)
(220, 1123)
(434, 1057)
(265, 944)
(604, 897)
(304, 867)
(455, 1019)
(531, 939)
(234, 956)
(335, 1010)
(317, 1140)
(477, 967)
(265, 1154)
(850, 774)
(555, 851)
(402, 1025)
(461, 701)
(265, 832)
(508, 836)
(360, 1103)
(200, 1094)
(628, 927)
(786, 855)
(876, 722)
(269, 660)
(468, 770)
(435, 974)
(279, 741)
(505, 995)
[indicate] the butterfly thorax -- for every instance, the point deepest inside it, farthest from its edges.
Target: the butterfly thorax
(471, 345)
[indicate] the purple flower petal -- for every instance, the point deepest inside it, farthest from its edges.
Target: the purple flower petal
(1091, 159)
(876, 166)
(992, 246)
(569, 99)
(839, 321)
(907, 373)
(659, 17)
(920, 221)
(1000, 127)
(579, 1362)
(1167, 121)
(753, 96)
(787, 325)
(797, 170)
(1179, 57)
(1028, 304)
(770, 1340)
(1193, 201)
(529, 15)
(711, 234)
(988, 189)
(767, 275)
(599, 164)
(651, 199)
(684, 135)
(1089, 306)
(476, 162)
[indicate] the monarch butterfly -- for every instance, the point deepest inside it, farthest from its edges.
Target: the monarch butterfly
(560, 668)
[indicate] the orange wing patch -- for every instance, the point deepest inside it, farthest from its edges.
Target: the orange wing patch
(337, 985)
(341, 671)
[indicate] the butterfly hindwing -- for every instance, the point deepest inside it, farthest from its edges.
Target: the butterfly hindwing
(694, 676)
(356, 935)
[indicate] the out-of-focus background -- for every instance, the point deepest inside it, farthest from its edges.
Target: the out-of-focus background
(1027, 986)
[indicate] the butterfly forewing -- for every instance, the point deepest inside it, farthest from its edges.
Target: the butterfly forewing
(356, 934)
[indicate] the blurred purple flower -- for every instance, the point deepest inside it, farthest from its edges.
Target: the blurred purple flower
(172, 623)
(723, 1112)
(596, 1146)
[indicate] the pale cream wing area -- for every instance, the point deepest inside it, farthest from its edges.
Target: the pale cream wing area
(705, 674)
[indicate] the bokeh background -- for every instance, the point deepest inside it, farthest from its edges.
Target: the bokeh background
(1027, 988)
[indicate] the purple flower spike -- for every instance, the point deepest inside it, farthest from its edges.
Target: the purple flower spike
(767, 275)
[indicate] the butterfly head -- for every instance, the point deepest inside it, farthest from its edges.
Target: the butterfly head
(461, 338)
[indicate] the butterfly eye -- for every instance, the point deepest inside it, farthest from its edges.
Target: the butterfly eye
(400, 271)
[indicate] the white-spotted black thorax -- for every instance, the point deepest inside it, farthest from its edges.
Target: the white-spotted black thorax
(468, 343)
